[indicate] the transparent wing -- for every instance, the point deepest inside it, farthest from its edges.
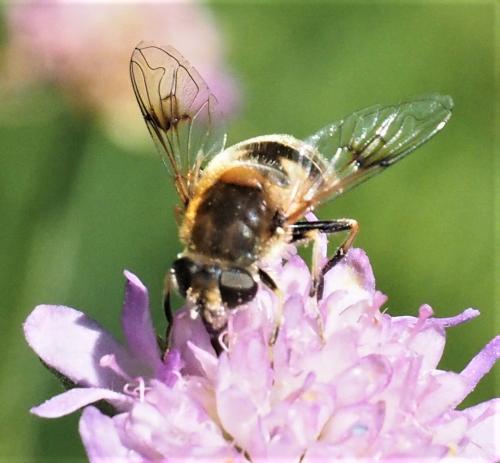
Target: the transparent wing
(179, 110)
(370, 140)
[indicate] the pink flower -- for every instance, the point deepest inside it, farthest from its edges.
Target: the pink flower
(343, 382)
(85, 49)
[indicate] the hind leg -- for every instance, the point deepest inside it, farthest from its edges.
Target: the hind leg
(306, 230)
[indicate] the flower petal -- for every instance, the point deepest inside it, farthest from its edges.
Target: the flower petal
(168, 424)
(295, 277)
(186, 329)
(362, 380)
(93, 426)
(444, 391)
(70, 401)
(206, 361)
(429, 344)
(484, 433)
(137, 325)
(73, 344)
(355, 427)
(238, 415)
(450, 429)
(353, 273)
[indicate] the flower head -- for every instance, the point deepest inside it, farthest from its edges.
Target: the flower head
(344, 381)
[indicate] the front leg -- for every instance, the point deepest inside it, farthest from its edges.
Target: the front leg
(167, 308)
(307, 230)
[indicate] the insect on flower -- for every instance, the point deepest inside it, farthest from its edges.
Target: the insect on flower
(241, 203)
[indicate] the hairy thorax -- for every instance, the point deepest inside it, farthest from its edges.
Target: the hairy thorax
(231, 223)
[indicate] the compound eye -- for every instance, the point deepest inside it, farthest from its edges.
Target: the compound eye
(236, 287)
(183, 269)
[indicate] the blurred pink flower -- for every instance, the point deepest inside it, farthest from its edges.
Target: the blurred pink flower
(84, 48)
(365, 387)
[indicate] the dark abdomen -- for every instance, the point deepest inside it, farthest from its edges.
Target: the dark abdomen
(232, 222)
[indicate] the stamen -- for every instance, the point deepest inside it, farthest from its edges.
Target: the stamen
(135, 387)
(109, 361)
(424, 313)
(464, 317)
(221, 340)
(136, 390)
(482, 363)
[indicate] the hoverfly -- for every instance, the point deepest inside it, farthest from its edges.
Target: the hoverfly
(240, 203)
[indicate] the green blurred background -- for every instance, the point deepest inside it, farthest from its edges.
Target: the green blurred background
(77, 209)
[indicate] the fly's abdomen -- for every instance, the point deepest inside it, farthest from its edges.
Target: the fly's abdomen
(231, 223)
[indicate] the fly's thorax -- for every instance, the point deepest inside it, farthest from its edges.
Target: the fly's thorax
(289, 169)
(232, 219)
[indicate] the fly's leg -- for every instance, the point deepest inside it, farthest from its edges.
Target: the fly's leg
(308, 230)
(167, 308)
(269, 282)
(218, 338)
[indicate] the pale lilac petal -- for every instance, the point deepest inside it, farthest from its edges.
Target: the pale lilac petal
(362, 380)
(171, 367)
(283, 435)
(137, 325)
(73, 344)
(337, 355)
(452, 429)
(294, 315)
(295, 279)
(321, 452)
(74, 399)
(353, 273)
(379, 299)
(343, 309)
(345, 278)
(167, 424)
(399, 396)
(239, 366)
(295, 423)
(238, 414)
(444, 392)
(484, 433)
(206, 361)
(137, 430)
(258, 315)
(413, 444)
(355, 428)
(429, 344)
(186, 329)
(240, 392)
(101, 440)
(357, 259)
(479, 411)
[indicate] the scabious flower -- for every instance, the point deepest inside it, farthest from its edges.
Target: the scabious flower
(344, 380)
(84, 48)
